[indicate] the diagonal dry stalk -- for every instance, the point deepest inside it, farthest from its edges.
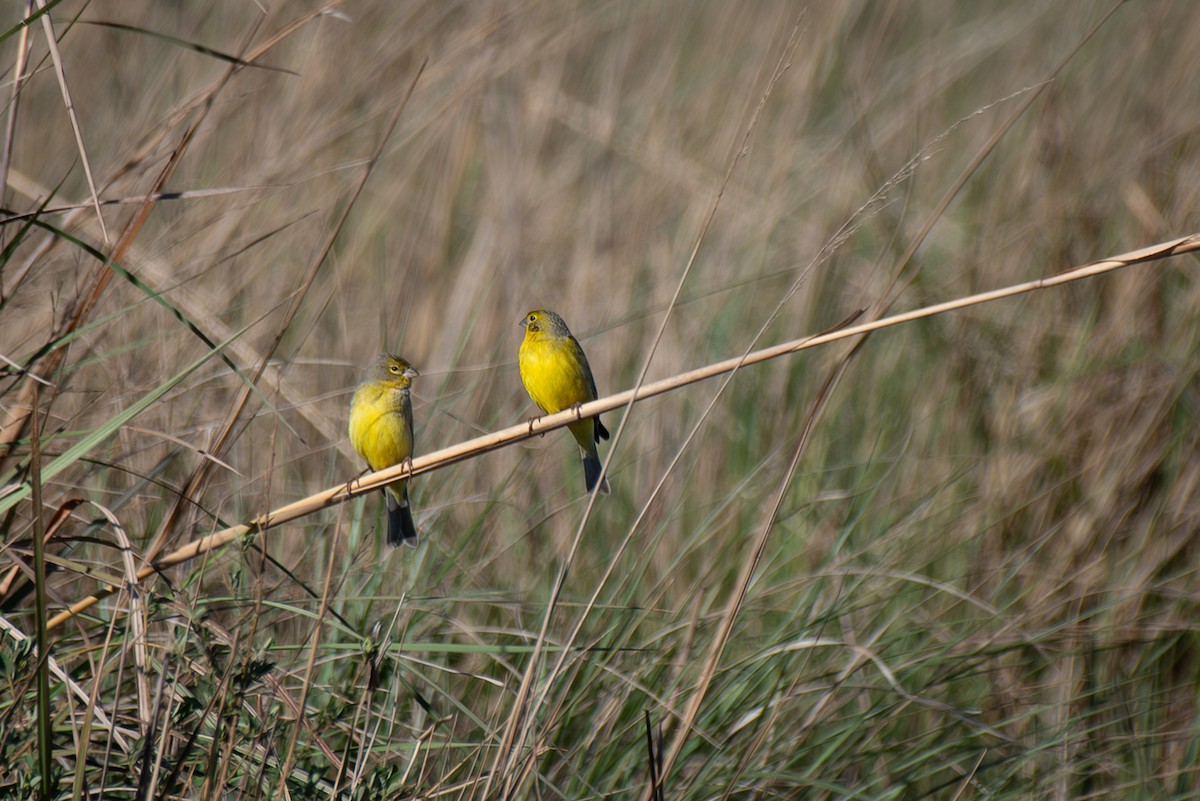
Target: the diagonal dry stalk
(510, 753)
(221, 439)
(64, 87)
(523, 431)
(78, 311)
(750, 565)
(14, 104)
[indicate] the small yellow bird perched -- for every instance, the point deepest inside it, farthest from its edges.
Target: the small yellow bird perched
(381, 430)
(557, 376)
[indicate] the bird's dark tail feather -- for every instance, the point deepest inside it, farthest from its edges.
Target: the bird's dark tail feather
(401, 529)
(601, 431)
(591, 472)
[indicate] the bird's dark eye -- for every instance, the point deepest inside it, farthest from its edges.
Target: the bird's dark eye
(394, 368)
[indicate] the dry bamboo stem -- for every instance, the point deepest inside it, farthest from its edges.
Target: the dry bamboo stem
(507, 436)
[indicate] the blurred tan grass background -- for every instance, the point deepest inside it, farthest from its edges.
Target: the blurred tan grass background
(998, 507)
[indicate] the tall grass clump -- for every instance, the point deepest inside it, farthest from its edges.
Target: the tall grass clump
(952, 559)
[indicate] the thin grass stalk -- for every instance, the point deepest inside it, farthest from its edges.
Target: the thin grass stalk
(60, 72)
(306, 683)
(14, 98)
(45, 732)
(737, 596)
(509, 748)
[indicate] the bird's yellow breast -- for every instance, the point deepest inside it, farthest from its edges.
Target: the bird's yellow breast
(553, 373)
(381, 425)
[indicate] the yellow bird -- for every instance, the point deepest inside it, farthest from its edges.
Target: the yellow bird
(556, 375)
(381, 430)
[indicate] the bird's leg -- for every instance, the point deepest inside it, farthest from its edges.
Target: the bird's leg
(406, 462)
(357, 476)
(534, 421)
(577, 407)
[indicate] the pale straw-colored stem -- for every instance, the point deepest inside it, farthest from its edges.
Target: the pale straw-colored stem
(507, 436)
